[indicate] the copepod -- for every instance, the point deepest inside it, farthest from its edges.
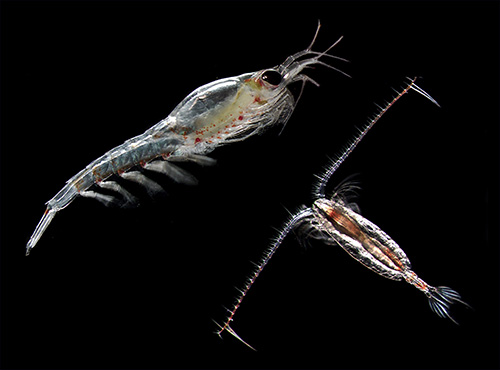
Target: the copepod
(335, 221)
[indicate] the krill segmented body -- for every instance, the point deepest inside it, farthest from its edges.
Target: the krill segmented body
(219, 113)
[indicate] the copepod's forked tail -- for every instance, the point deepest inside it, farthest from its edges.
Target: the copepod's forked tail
(440, 300)
(40, 228)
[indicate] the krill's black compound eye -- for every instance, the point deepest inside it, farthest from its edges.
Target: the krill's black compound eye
(271, 77)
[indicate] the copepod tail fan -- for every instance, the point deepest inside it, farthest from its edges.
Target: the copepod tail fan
(40, 228)
(440, 300)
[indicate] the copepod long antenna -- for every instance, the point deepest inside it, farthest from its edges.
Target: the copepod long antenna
(319, 188)
(289, 226)
(40, 228)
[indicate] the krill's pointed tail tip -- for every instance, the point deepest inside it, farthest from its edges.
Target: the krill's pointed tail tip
(29, 246)
(47, 217)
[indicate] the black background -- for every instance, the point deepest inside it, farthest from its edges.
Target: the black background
(111, 288)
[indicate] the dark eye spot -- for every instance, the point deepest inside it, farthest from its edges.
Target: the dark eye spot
(271, 77)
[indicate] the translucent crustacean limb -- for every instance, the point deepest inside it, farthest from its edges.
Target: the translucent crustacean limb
(336, 222)
(222, 112)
